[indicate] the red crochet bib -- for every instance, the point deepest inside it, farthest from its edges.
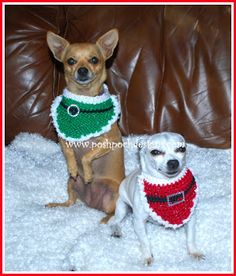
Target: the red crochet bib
(171, 204)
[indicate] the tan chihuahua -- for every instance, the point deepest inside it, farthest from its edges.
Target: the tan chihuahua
(87, 113)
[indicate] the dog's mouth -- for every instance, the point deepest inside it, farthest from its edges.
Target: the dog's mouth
(83, 76)
(169, 173)
(85, 81)
(173, 173)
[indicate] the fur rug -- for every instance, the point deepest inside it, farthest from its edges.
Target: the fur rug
(64, 239)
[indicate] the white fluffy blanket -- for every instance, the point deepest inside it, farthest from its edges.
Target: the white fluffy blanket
(64, 239)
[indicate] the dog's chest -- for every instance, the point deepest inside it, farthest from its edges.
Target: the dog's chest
(170, 204)
(79, 118)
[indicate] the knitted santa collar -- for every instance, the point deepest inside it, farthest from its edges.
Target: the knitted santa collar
(79, 118)
(169, 203)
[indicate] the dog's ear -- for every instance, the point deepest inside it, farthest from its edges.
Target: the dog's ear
(141, 142)
(139, 145)
(108, 42)
(57, 45)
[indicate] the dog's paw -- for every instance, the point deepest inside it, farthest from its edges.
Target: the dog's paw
(88, 181)
(50, 205)
(197, 256)
(148, 261)
(106, 219)
(116, 234)
(88, 178)
(73, 177)
(116, 231)
(67, 203)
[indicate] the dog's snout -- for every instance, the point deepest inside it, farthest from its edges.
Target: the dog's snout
(83, 71)
(83, 75)
(173, 164)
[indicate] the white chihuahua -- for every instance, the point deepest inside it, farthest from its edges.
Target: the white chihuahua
(163, 190)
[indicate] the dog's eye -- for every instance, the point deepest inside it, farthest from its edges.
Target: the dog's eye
(71, 61)
(181, 149)
(156, 152)
(94, 60)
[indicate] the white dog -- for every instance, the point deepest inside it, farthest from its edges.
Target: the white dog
(163, 190)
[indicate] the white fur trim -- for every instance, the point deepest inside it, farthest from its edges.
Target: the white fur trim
(152, 214)
(53, 114)
(105, 96)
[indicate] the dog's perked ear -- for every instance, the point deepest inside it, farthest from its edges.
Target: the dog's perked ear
(108, 42)
(57, 45)
(141, 142)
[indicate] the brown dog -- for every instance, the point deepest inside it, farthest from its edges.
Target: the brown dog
(95, 171)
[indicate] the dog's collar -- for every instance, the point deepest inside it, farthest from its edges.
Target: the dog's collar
(105, 95)
(164, 181)
(79, 118)
(170, 203)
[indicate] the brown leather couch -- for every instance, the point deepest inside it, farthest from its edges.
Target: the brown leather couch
(171, 68)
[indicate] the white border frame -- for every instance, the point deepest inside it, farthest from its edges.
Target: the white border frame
(232, 125)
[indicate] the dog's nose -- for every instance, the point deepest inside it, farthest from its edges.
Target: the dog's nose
(173, 164)
(83, 72)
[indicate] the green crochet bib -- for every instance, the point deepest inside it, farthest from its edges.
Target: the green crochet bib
(78, 118)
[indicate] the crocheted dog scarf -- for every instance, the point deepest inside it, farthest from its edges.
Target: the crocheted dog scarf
(172, 203)
(78, 118)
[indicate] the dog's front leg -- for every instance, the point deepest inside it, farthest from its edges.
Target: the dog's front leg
(70, 159)
(190, 235)
(140, 230)
(87, 159)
